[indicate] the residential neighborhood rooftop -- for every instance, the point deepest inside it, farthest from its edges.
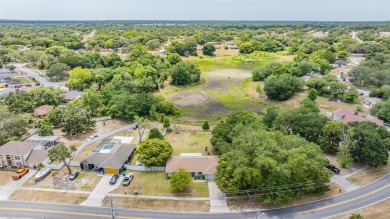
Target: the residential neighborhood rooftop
(42, 110)
(204, 164)
(18, 147)
(71, 95)
(346, 116)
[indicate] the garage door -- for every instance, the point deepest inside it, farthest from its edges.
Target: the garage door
(111, 171)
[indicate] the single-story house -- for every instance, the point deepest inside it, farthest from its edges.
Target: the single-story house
(195, 165)
(19, 154)
(371, 101)
(346, 116)
(45, 141)
(71, 95)
(42, 110)
(109, 156)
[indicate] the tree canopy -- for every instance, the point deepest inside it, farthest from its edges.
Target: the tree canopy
(154, 152)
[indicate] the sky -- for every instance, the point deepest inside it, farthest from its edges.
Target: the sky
(263, 10)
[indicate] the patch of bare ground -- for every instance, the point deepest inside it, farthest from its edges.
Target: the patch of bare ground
(380, 210)
(287, 58)
(85, 181)
(190, 99)
(5, 177)
(49, 197)
(158, 205)
(226, 52)
(230, 73)
(243, 204)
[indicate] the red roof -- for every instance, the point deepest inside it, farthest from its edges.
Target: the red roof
(346, 116)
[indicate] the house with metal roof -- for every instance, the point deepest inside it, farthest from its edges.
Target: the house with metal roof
(109, 157)
(45, 141)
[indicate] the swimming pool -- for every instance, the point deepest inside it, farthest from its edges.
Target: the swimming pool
(106, 148)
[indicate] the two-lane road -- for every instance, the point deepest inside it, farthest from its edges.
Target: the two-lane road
(42, 80)
(364, 196)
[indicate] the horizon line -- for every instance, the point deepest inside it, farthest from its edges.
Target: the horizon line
(188, 20)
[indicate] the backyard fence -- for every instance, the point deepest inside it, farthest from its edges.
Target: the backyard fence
(145, 169)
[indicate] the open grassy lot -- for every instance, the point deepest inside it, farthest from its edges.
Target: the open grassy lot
(157, 183)
(222, 93)
(5, 177)
(86, 181)
(380, 210)
(49, 197)
(328, 106)
(208, 63)
(369, 175)
(242, 204)
(158, 205)
(189, 142)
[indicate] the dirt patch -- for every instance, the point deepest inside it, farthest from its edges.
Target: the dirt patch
(190, 99)
(5, 177)
(158, 205)
(86, 181)
(230, 73)
(50, 197)
(288, 58)
(380, 210)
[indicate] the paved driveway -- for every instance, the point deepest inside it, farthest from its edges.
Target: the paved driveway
(96, 197)
(217, 199)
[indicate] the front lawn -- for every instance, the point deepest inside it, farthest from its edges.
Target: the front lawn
(157, 184)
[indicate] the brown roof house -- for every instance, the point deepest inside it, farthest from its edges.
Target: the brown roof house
(109, 157)
(42, 110)
(195, 165)
(19, 154)
(346, 116)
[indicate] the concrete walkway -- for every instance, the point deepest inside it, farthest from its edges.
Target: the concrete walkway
(217, 199)
(96, 197)
(7, 190)
(343, 183)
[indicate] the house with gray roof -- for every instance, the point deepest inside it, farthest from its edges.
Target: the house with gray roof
(16, 154)
(109, 157)
(71, 95)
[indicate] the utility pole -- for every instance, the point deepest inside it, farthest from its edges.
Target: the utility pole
(111, 210)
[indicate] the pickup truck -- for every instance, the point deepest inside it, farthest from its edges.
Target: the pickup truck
(127, 179)
(19, 173)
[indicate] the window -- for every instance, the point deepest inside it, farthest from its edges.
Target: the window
(18, 164)
(17, 158)
(199, 173)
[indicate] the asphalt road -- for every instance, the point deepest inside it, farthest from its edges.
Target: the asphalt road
(43, 81)
(370, 194)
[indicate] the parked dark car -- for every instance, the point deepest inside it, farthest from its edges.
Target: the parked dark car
(127, 179)
(333, 168)
(114, 178)
(73, 175)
